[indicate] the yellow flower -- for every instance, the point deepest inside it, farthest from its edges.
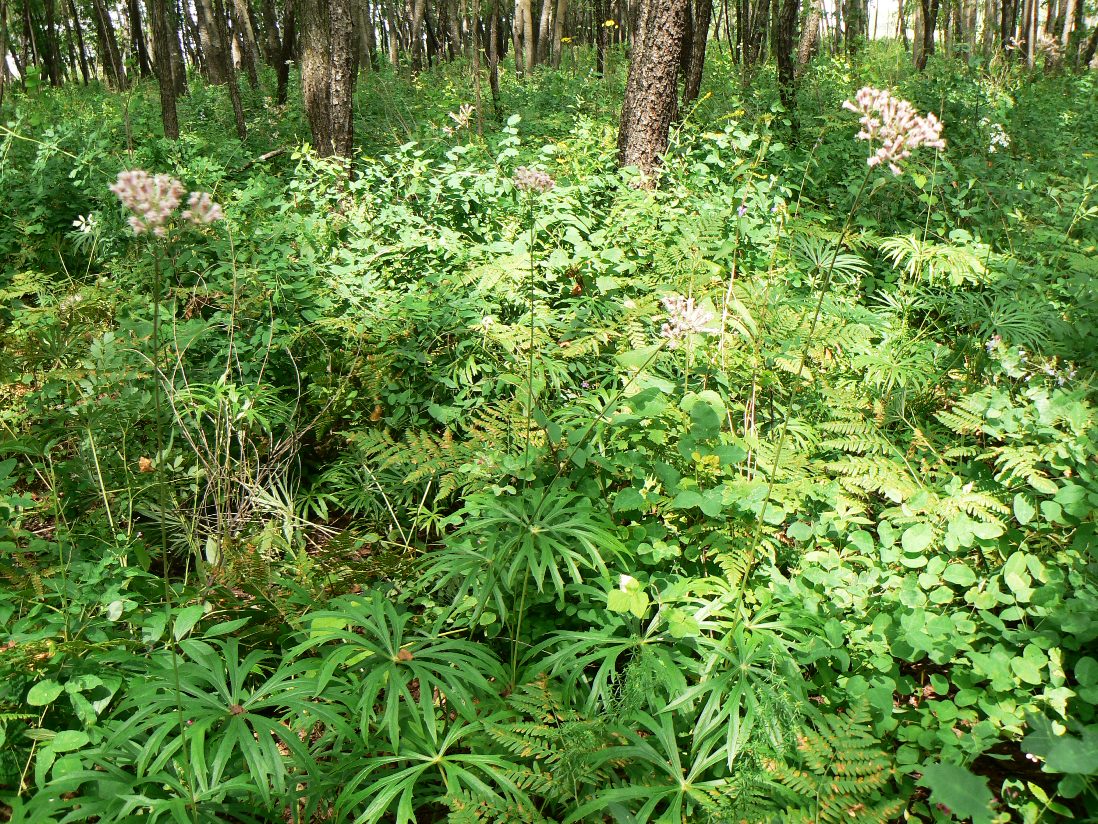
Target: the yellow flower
(566, 40)
(610, 24)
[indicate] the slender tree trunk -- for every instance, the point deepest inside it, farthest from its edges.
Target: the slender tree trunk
(246, 39)
(703, 13)
(785, 35)
(162, 52)
(810, 36)
(3, 48)
(271, 42)
(221, 26)
(286, 51)
(137, 38)
(650, 92)
(493, 53)
(418, 10)
(110, 55)
(558, 30)
(327, 74)
(51, 53)
(544, 27)
(929, 16)
(600, 37)
(81, 52)
(529, 35)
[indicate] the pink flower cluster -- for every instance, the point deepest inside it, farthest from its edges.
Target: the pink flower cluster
(895, 125)
(153, 199)
(532, 180)
(202, 209)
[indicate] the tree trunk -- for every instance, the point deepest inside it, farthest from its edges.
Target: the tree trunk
(109, 53)
(929, 17)
(271, 42)
(214, 46)
(650, 92)
(327, 74)
(785, 32)
(286, 51)
(137, 38)
(162, 52)
(544, 27)
(3, 48)
(245, 34)
(810, 36)
(703, 13)
(558, 31)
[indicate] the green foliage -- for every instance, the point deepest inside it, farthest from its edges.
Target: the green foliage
(387, 498)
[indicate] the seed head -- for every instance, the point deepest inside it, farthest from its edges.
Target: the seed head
(895, 125)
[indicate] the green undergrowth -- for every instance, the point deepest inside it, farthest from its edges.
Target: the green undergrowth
(390, 499)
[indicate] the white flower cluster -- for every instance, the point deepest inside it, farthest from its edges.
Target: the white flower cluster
(895, 125)
(683, 318)
(997, 136)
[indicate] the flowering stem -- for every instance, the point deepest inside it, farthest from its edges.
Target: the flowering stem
(824, 288)
(530, 353)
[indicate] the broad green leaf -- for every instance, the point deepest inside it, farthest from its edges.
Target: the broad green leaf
(1023, 509)
(44, 693)
(959, 573)
(186, 619)
(917, 538)
(966, 795)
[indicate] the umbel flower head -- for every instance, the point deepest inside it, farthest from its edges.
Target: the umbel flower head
(531, 180)
(895, 125)
(683, 318)
(153, 199)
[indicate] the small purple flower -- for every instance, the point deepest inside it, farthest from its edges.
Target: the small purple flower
(742, 210)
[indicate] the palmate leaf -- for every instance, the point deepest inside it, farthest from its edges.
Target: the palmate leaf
(234, 717)
(749, 689)
(537, 538)
(396, 675)
(424, 772)
(662, 787)
(599, 661)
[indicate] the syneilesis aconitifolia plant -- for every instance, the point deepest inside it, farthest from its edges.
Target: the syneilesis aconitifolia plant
(153, 201)
(894, 129)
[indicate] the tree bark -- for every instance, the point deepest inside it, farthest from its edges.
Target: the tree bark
(286, 51)
(246, 39)
(651, 89)
(327, 74)
(111, 57)
(703, 13)
(271, 41)
(214, 46)
(810, 36)
(929, 9)
(137, 38)
(162, 52)
(785, 31)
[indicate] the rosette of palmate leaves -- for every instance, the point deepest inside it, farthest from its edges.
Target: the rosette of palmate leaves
(512, 546)
(395, 677)
(215, 734)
